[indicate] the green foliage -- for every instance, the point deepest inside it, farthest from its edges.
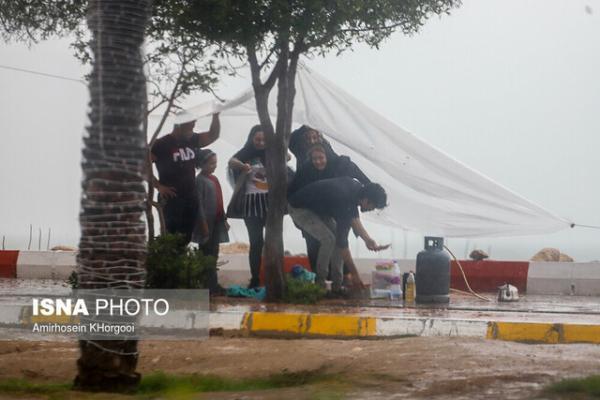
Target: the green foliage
(33, 20)
(320, 25)
(178, 62)
(161, 384)
(302, 292)
(16, 386)
(590, 387)
(73, 280)
(172, 265)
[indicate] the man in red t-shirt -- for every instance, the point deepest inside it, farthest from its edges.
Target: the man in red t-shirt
(174, 155)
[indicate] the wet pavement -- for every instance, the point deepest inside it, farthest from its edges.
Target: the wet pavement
(529, 308)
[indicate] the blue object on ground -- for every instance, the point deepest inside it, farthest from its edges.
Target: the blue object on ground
(238, 291)
(309, 276)
(299, 272)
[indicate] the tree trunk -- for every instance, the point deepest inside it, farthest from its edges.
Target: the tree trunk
(112, 249)
(273, 248)
(276, 155)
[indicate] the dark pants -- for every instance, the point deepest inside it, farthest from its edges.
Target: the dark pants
(255, 227)
(312, 250)
(180, 215)
(211, 248)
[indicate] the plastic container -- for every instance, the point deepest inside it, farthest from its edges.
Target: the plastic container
(396, 282)
(380, 293)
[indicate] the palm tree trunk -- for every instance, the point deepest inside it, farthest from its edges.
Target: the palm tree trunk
(112, 249)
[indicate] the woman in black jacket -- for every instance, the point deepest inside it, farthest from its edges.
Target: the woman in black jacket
(322, 164)
(302, 140)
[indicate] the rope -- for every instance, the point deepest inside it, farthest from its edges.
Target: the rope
(585, 226)
(29, 71)
(471, 291)
(121, 353)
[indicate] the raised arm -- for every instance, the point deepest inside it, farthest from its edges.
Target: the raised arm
(209, 137)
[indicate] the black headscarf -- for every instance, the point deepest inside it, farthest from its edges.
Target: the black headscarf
(299, 147)
(249, 152)
(336, 167)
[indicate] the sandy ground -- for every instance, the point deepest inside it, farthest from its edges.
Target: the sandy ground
(428, 368)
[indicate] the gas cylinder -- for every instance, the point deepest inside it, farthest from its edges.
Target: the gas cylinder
(433, 272)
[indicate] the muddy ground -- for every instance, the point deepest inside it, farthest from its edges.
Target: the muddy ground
(428, 368)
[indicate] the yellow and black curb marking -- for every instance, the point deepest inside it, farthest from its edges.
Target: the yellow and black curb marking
(543, 332)
(311, 325)
(348, 326)
(357, 326)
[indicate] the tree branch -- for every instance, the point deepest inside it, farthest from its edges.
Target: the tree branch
(170, 103)
(372, 29)
(270, 82)
(156, 106)
(328, 38)
(254, 68)
(210, 89)
(265, 62)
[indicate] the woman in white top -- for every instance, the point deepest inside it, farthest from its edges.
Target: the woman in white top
(249, 163)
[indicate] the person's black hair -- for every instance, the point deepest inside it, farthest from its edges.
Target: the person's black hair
(299, 147)
(202, 156)
(249, 141)
(317, 147)
(375, 194)
(249, 152)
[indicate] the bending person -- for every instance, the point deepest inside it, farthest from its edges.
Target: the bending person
(327, 209)
(249, 164)
(322, 165)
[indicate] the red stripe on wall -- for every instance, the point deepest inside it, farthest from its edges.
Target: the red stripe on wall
(488, 275)
(8, 263)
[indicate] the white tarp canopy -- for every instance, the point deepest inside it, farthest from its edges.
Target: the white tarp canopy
(429, 192)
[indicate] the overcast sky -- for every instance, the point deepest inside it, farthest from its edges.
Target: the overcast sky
(510, 88)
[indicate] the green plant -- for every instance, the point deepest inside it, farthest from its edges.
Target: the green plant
(302, 292)
(73, 280)
(163, 385)
(173, 265)
(589, 387)
(21, 386)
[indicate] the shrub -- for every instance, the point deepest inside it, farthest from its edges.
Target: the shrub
(171, 264)
(73, 280)
(302, 292)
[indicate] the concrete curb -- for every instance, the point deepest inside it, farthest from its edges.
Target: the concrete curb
(345, 326)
